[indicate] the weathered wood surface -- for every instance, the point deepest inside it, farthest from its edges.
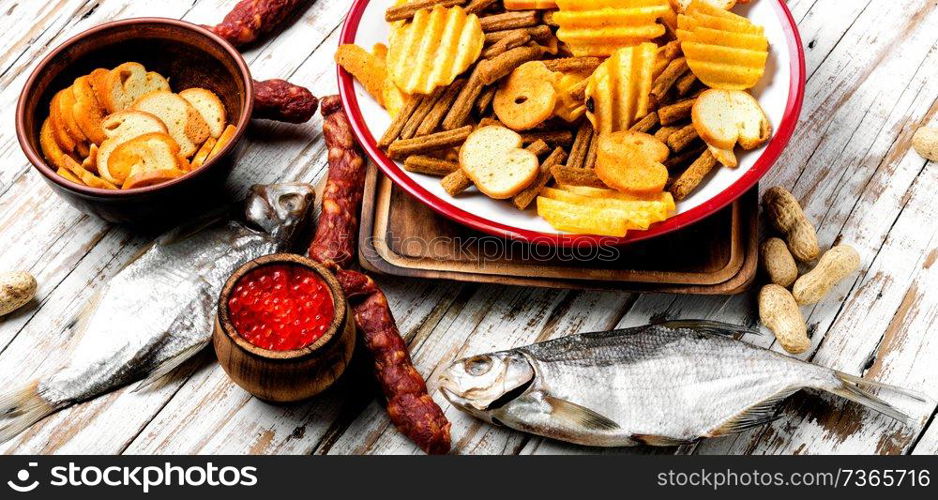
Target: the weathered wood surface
(873, 80)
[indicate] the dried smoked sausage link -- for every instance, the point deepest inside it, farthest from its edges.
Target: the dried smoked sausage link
(273, 99)
(409, 405)
(337, 234)
(283, 101)
(251, 19)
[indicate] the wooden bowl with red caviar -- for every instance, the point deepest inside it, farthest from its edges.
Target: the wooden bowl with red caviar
(284, 331)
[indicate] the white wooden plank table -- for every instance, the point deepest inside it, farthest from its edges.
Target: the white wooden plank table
(873, 79)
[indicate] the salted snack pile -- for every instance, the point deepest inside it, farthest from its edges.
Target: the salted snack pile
(124, 128)
(599, 114)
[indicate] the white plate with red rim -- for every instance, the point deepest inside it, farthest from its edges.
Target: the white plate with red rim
(780, 92)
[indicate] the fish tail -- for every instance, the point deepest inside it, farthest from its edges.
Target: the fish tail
(157, 378)
(864, 383)
(20, 409)
(855, 389)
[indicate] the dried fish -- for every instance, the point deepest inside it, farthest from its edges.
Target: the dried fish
(158, 311)
(662, 385)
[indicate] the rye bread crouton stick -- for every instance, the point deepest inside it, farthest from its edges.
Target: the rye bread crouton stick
(682, 138)
(524, 199)
(650, 121)
(408, 10)
(692, 177)
(510, 21)
(435, 117)
(677, 112)
(429, 165)
(581, 145)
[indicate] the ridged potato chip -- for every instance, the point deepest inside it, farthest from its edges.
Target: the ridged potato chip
(434, 48)
(724, 50)
(664, 197)
(574, 213)
(751, 41)
(646, 212)
(579, 219)
(681, 6)
(529, 4)
(394, 28)
(617, 93)
(600, 27)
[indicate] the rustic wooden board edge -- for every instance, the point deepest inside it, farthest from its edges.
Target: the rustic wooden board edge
(376, 256)
(383, 212)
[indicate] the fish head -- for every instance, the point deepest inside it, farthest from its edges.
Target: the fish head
(486, 382)
(280, 210)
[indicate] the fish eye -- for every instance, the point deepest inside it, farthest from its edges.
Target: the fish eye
(479, 365)
(291, 202)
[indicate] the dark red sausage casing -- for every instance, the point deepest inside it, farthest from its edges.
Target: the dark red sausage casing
(283, 101)
(337, 234)
(409, 404)
(273, 99)
(251, 19)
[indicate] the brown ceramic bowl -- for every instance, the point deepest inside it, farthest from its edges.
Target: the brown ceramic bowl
(189, 56)
(285, 376)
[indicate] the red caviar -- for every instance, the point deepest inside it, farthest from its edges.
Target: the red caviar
(281, 307)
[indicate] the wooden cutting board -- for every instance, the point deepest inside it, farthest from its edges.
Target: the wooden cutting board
(401, 237)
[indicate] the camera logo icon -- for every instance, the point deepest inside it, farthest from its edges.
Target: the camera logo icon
(21, 484)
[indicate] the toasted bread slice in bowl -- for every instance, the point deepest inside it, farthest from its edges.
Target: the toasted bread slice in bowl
(87, 111)
(146, 178)
(51, 150)
(65, 165)
(154, 151)
(203, 153)
(209, 107)
(66, 103)
(121, 127)
(98, 80)
(185, 123)
(226, 137)
(128, 82)
(66, 142)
